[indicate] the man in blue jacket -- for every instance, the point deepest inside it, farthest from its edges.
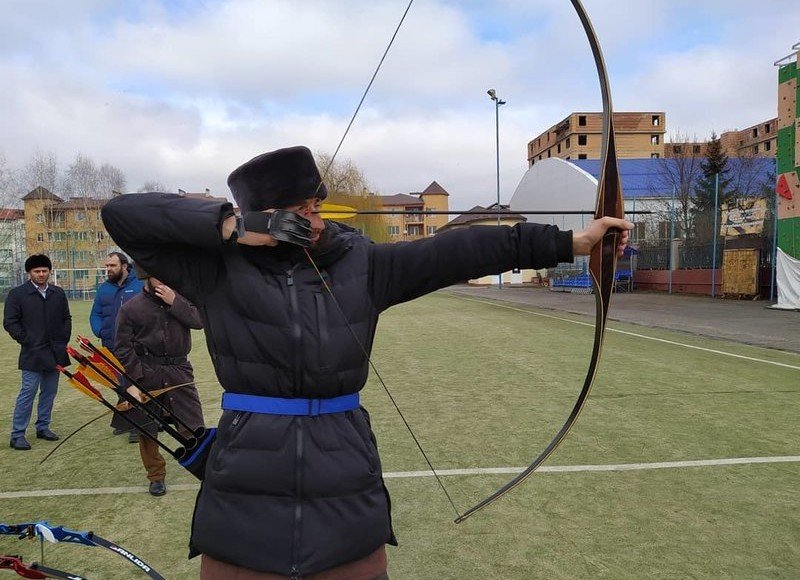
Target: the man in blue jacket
(37, 316)
(120, 286)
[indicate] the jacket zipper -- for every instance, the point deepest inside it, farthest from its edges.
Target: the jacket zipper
(296, 329)
(298, 508)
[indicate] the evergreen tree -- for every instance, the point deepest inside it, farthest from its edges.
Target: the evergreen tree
(715, 163)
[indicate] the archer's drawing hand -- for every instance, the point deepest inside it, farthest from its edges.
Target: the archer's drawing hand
(583, 242)
(136, 394)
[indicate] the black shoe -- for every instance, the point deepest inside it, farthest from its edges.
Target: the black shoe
(20, 443)
(46, 434)
(119, 431)
(158, 488)
(133, 437)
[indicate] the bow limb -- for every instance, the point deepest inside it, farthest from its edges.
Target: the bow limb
(45, 531)
(602, 262)
(34, 570)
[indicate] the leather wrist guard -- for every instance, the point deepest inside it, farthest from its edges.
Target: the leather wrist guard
(284, 226)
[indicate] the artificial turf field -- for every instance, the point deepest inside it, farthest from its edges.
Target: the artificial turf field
(485, 386)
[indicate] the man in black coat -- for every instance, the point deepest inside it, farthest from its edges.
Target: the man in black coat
(37, 316)
(293, 485)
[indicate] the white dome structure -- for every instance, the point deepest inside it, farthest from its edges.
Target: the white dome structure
(556, 185)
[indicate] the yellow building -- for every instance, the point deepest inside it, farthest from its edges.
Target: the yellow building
(579, 136)
(71, 233)
(412, 220)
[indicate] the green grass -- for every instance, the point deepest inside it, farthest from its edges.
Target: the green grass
(488, 387)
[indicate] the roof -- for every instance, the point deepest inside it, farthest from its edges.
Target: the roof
(201, 195)
(41, 193)
(400, 199)
(480, 213)
(81, 203)
(11, 214)
(645, 177)
(434, 189)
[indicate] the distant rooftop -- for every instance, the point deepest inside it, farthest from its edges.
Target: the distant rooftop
(643, 177)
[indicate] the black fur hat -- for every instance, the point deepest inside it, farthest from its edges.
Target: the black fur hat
(38, 261)
(277, 179)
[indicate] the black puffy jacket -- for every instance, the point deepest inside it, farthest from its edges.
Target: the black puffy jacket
(298, 495)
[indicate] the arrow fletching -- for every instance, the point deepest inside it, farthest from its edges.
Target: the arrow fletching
(336, 211)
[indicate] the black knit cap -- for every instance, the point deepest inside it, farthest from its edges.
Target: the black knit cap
(277, 179)
(38, 261)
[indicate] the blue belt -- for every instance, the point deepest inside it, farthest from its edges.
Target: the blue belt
(281, 406)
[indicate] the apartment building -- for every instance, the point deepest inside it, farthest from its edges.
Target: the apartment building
(579, 136)
(759, 140)
(12, 248)
(412, 220)
(72, 234)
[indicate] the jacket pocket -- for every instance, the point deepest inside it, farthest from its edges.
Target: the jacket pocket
(359, 419)
(323, 343)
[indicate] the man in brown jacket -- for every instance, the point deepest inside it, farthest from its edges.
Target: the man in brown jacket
(152, 341)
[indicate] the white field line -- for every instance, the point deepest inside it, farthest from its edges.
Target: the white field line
(443, 472)
(672, 342)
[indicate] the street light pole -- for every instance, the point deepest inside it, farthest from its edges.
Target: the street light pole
(497, 102)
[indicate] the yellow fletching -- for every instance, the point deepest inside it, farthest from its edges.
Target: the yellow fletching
(112, 359)
(333, 211)
(93, 375)
(76, 384)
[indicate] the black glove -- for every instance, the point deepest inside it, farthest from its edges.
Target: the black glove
(284, 226)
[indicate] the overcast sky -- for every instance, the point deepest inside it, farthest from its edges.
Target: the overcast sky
(183, 91)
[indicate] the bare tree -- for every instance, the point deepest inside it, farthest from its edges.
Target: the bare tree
(677, 175)
(347, 186)
(41, 170)
(80, 179)
(110, 178)
(152, 185)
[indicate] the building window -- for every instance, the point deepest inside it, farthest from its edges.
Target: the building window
(540, 157)
(39, 218)
(677, 149)
(559, 147)
(696, 149)
(655, 139)
(548, 153)
(581, 155)
(567, 143)
(80, 216)
(414, 230)
(532, 162)
(394, 230)
(581, 139)
(766, 127)
(767, 145)
(755, 148)
(430, 230)
(100, 236)
(39, 237)
(654, 156)
(656, 120)
(638, 231)
(582, 120)
(755, 132)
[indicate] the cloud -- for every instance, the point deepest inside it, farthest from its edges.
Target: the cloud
(183, 92)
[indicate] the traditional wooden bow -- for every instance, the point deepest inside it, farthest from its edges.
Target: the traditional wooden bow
(602, 263)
